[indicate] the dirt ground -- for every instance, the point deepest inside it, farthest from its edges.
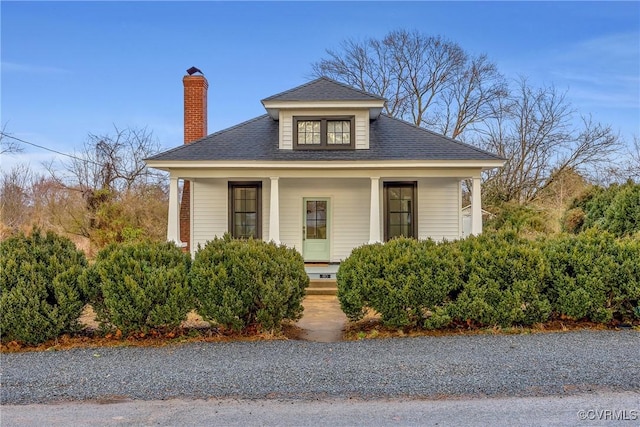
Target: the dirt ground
(322, 321)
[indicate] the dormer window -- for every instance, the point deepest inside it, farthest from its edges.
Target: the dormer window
(323, 133)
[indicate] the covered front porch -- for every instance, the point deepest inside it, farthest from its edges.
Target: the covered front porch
(326, 214)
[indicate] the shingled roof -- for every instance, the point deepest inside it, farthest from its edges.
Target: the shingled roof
(324, 89)
(389, 139)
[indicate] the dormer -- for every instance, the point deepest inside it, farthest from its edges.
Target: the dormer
(324, 115)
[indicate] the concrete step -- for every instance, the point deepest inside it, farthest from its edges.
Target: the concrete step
(322, 287)
(322, 291)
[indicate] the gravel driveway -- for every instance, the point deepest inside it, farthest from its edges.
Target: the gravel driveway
(430, 367)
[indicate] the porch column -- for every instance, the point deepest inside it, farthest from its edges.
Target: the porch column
(476, 208)
(374, 214)
(274, 211)
(173, 226)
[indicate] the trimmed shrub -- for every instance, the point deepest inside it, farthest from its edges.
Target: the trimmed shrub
(594, 276)
(615, 209)
(404, 280)
(519, 218)
(39, 294)
(622, 218)
(244, 283)
(135, 287)
(494, 279)
(503, 278)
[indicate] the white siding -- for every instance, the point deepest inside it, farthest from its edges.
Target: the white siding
(210, 209)
(439, 209)
(361, 125)
(349, 206)
(286, 132)
(362, 130)
(209, 218)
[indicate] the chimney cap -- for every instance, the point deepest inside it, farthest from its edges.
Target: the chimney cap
(191, 71)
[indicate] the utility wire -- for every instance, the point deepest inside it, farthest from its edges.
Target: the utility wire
(4, 135)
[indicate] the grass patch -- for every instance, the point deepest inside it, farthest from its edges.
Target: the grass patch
(193, 329)
(371, 327)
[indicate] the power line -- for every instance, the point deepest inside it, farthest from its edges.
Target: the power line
(4, 135)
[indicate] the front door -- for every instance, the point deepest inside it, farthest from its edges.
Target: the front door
(315, 230)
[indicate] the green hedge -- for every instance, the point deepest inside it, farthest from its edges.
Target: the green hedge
(39, 294)
(594, 276)
(503, 277)
(519, 218)
(243, 283)
(136, 287)
(404, 280)
(615, 209)
(494, 279)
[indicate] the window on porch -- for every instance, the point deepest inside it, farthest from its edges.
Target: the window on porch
(399, 210)
(245, 210)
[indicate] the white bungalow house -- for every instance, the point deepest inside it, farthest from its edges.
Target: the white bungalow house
(322, 171)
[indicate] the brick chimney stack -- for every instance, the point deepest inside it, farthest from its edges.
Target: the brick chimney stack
(195, 106)
(195, 127)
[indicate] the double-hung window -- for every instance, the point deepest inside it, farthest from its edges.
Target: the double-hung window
(245, 210)
(326, 133)
(400, 210)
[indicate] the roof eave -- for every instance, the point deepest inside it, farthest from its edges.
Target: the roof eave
(167, 165)
(273, 107)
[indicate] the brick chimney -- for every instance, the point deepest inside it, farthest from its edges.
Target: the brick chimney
(195, 127)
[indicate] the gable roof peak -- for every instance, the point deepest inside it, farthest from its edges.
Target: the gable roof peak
(324, 89)
(324, 92)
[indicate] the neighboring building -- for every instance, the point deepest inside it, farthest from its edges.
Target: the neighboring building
(466, 220)
(323, 171)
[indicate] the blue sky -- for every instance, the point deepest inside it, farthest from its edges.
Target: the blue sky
(74, 68)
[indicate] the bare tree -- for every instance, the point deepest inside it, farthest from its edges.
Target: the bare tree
(110, 168)
(629, 166)
(113, 162)
(433, 82)
(8, 145)
(427, 80)
(534, 133)
(105, 194)
(15, 196)
(634, 159)
(369, 66)
(475, 95)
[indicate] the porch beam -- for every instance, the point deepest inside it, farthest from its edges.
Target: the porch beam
(476, 207)
(173, 224)
(374, 214)
(274, 211)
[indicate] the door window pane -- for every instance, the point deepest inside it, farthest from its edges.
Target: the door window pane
(316, 224)
(321, 232)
